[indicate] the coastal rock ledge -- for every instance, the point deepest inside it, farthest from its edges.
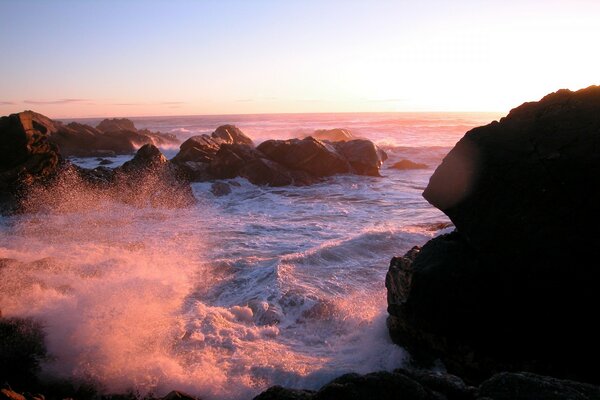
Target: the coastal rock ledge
(515, 287)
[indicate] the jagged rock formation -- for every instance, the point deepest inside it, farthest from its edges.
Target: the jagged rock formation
(514, 288)
(110, 137)
(228, 153)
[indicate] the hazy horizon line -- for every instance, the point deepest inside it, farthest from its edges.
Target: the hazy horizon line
(278, 113)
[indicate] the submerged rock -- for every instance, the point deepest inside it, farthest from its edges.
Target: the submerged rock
(407, 164)
(220, 189)
(513, 287)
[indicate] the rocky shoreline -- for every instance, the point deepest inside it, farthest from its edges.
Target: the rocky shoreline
(506, 302)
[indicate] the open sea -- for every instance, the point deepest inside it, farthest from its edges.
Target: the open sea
(265, 286)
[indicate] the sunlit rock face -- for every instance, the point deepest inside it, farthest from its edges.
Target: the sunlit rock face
(514, 287)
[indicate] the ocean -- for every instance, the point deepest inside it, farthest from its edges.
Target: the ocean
(265, 286)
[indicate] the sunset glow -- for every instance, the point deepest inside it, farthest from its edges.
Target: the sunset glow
(138, 58)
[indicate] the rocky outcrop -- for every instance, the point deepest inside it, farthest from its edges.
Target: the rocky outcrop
(425, 385)
(407, 164)
(110, 137)
(26, 155)
(228, 153)
(513, 288)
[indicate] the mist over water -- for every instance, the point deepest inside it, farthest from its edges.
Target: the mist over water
(237, 293)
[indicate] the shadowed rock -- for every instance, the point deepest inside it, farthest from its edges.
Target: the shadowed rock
(364, 156)
(114, 136)
(526, 386)
(513, 288)
(310, 155)
(26, 155)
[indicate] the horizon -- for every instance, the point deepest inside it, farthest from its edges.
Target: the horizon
(274, 114)
(158, 58)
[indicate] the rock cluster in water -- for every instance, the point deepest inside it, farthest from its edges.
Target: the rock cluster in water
(110, 137)
(31, 165)
(228, 153)
(515, 287)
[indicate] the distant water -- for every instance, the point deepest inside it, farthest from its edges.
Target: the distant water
(265, 286)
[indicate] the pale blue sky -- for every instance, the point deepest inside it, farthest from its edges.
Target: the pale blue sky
(128, 58)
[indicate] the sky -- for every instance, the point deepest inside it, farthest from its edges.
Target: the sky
(84, 58)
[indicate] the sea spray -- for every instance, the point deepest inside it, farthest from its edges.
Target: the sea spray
(225, 297)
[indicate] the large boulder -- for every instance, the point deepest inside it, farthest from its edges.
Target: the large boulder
(407, 164)
(514, 287)
(364, 156)
(318, 158)
(26, 155)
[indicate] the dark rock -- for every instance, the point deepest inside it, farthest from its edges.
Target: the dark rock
(268, 173)
(220, 189)
(526, 386)
(112, 137)
(377, 385)
(310, 155)
(195, 171)
(104, 161)
(22, 349)
(150, 179)
(116, 125)
(231, 158)
(280, 393)
(333, 135)
(231, 134)
(364, 156)
(513, 289)
(26, 155)
(407, 164)
(201, 148)
(148, 157)
(451, 386)
(177, 395)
